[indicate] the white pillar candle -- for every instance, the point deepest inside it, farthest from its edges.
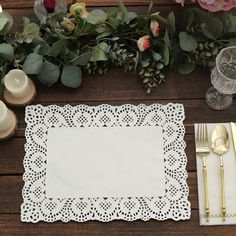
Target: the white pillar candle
(0, 8)
(5, 117)
(17, 83)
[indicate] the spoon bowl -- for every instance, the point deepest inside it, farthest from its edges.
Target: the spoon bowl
(220, 140)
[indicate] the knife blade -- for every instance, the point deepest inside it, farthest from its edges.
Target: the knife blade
(233, 129)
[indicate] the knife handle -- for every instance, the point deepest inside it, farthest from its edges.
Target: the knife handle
(233, 129)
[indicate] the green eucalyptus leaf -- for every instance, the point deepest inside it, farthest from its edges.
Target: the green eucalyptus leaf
(156, 16)
(96, 16)
(33, 64)
(232, 19)
(136, 60)
(3, 22)
(156, 56)
(132, 15)
(49, 74)
(145, 63)
(201, 15)
(113, 22)
(186, 67)
(171, 20)
(103, 35)
(7, 26)
(99, 52)
(82, 59)
(55, 19)
(30, 30)
(71, 76)
(166, 54)
(150, 6)
(44, 46)
(167, 39)
(187, 42)
(62, 36)
(6, 51)
(101, 29)
(37, 49)
(188, 17)
(57, 47)
(225, 19)
(213, 28)
(124, 12)
(112, 12)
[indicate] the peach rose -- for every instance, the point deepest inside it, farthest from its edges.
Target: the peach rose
(68, 25)
(78, 9)
(144, 43)
(155, 28)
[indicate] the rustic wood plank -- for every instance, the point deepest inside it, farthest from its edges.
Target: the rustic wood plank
(10, 225)
(11, 156)
(11, 198)
(93, 3)
(120, 85)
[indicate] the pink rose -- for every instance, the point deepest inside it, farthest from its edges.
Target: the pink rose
(155, 28)
(213, 5)
(217, 5)
(144, 43)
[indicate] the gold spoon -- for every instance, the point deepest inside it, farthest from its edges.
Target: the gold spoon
(220, 145)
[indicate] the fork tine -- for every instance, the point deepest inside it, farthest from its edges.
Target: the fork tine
(205, 135)
(201, 135)
(202, 150)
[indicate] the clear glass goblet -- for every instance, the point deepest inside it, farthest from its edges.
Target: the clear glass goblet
(223, 79)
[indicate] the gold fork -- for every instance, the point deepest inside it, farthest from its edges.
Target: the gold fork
(202, 150)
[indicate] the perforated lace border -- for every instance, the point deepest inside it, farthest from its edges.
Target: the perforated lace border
(174, 205)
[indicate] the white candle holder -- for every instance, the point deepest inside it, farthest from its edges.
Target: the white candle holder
(8, 122)
(20, 90)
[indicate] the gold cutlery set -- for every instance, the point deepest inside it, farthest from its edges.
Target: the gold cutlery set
(218, 142)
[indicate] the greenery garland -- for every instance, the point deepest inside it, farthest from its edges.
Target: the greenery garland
(70, 43)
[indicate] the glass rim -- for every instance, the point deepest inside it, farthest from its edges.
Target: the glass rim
(217, 59)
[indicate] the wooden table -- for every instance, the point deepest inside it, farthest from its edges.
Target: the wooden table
(116, 88)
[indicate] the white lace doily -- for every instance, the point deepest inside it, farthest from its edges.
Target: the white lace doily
(37, 207)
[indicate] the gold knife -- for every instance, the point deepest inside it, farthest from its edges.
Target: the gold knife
(233, 129)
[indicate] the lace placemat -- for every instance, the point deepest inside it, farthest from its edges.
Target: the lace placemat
(37, 207)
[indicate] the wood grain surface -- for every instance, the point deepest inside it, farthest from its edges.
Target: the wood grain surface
(30, 3)
(116, 88)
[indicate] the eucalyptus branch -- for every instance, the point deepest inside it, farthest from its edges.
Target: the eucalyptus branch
(67, 42)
